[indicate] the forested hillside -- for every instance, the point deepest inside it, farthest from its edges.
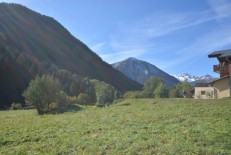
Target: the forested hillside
(33, 44)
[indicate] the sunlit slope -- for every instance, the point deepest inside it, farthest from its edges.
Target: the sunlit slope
(44, 39)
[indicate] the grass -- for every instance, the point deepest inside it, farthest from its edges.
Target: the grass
(134, 126)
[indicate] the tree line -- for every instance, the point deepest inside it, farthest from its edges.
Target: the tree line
(47, 93)
(18, 68)
(155, 88)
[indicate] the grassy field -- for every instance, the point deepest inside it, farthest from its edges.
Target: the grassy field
(139, 126)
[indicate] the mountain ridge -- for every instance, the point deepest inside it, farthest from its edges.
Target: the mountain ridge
(141, 71)
(193, 78)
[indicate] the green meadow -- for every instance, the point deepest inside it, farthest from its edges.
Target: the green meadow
(133, 126)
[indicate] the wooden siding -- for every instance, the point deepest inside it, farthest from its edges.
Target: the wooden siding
(222, 69)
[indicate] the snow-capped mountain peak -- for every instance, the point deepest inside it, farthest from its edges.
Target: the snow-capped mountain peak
(192, 78)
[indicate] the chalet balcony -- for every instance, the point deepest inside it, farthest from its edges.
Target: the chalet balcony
(216, 68)
(223, 70)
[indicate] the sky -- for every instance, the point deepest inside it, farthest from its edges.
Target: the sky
(174, 35)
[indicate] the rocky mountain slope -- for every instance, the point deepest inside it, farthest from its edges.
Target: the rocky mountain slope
(141, 71)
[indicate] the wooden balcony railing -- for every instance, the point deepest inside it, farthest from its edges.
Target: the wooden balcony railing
(223, 70)
(216, 68)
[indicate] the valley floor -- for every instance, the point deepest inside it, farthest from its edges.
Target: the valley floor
(135, 126)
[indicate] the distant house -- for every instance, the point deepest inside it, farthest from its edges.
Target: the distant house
(220, 88)
(203, 91)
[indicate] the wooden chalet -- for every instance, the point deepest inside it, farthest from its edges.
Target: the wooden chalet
(224, 66)
(222, 86)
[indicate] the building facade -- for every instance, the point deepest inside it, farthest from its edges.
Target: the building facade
(222, 86)
(204, 93)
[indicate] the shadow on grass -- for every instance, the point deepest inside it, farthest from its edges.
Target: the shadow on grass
(70, 108)
(125, 104)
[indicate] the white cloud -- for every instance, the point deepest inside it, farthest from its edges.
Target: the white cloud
(158, 25)
(161, 24)
(146, 33)
(222, 8)
(215, 40)
(140, 35)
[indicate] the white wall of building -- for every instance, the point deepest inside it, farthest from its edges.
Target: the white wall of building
(204, 93)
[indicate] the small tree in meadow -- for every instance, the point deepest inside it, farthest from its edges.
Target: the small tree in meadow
(161, 91)
(155, 87)
(105, 93)
(41, 92)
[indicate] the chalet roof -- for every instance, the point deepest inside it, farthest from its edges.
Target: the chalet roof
(228, 76)
(220, 54)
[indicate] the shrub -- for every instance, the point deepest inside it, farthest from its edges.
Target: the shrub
(133, 94)
(209, 95)
(100, 105)
(15, 106)
(83, 98)
(180, 89)
(62, 99)
(72, 100)
(53, 106)
(117, 101)
(18, 106)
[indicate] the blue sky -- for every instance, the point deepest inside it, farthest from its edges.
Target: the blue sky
(174, 35)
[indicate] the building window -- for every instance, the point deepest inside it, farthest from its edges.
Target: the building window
(202, 92)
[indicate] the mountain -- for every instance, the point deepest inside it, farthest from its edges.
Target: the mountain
(194, 79)
(32, 43)
(141, 71)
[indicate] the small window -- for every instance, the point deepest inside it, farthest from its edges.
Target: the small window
(202, 92)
